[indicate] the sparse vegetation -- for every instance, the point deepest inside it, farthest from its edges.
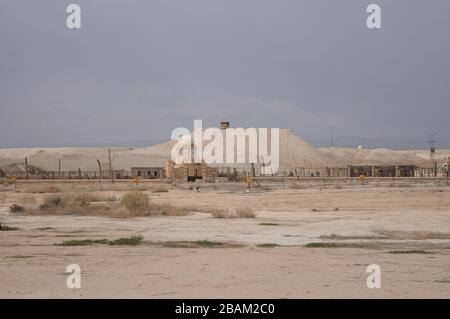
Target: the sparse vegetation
(412, 235)
(5, 181)
(84, 242)
(129, 241)
(245, 212)
(43, 189)
(422, 252)
(167, 210)
(14, 208)
(267, 245)
(28, 201)
(198, 244)
(219, 213)
(136, 202)
(45, 228)
(363, 245)
(7, 228)
(297, 186)
(321, 245)
(100, 198)
(71, 203)
(160, 190)
(344, 237)
(269, 224)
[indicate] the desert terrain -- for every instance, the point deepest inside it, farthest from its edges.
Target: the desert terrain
(301, 239)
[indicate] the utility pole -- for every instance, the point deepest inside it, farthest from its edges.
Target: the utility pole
(26, 167)
(331, 136)
(447, 168)
(100, 172)
(111, 160)
(431, 141)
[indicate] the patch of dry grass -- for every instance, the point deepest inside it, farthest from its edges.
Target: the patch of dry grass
(245, 212)
(14, 208)
(352, 237)
(160, 190)
(28, 201)
(412, 235)
(42, 189)
(7, 228)
(136, 202)
(198, 244)
(167, 210)
(297, 186)
(421, 252)
(219, 213)
(383, 234)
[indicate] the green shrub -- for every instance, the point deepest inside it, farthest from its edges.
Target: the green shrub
(136, 202)
(7, 228)
(130, 241)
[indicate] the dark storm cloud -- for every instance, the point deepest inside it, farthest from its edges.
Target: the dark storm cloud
(138, 69)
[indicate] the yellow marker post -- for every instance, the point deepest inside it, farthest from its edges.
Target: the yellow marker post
(14, 181)
(136, 182)
(362, 178)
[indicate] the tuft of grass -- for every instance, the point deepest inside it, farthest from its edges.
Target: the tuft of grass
(245, 212)
(361, 245)
(100, 198)
(84, 242)
(160, 190)
(198, 244)
(28, 201)
(129, 241)
(14, 208)
(321, 245)
(70, 203)
(219, 213)
(136, 202)
(7, 228)
(167, 210)
(267, 245)
(45, 189)
(268, 224)
(412, 235)
(344, 237)
(297, 186)
(422, 252)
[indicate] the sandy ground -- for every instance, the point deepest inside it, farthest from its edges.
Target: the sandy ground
(32, 266)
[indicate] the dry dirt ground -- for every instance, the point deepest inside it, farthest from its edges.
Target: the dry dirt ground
(404, 229)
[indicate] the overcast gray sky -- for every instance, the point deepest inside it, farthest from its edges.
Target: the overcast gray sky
(139, 68)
